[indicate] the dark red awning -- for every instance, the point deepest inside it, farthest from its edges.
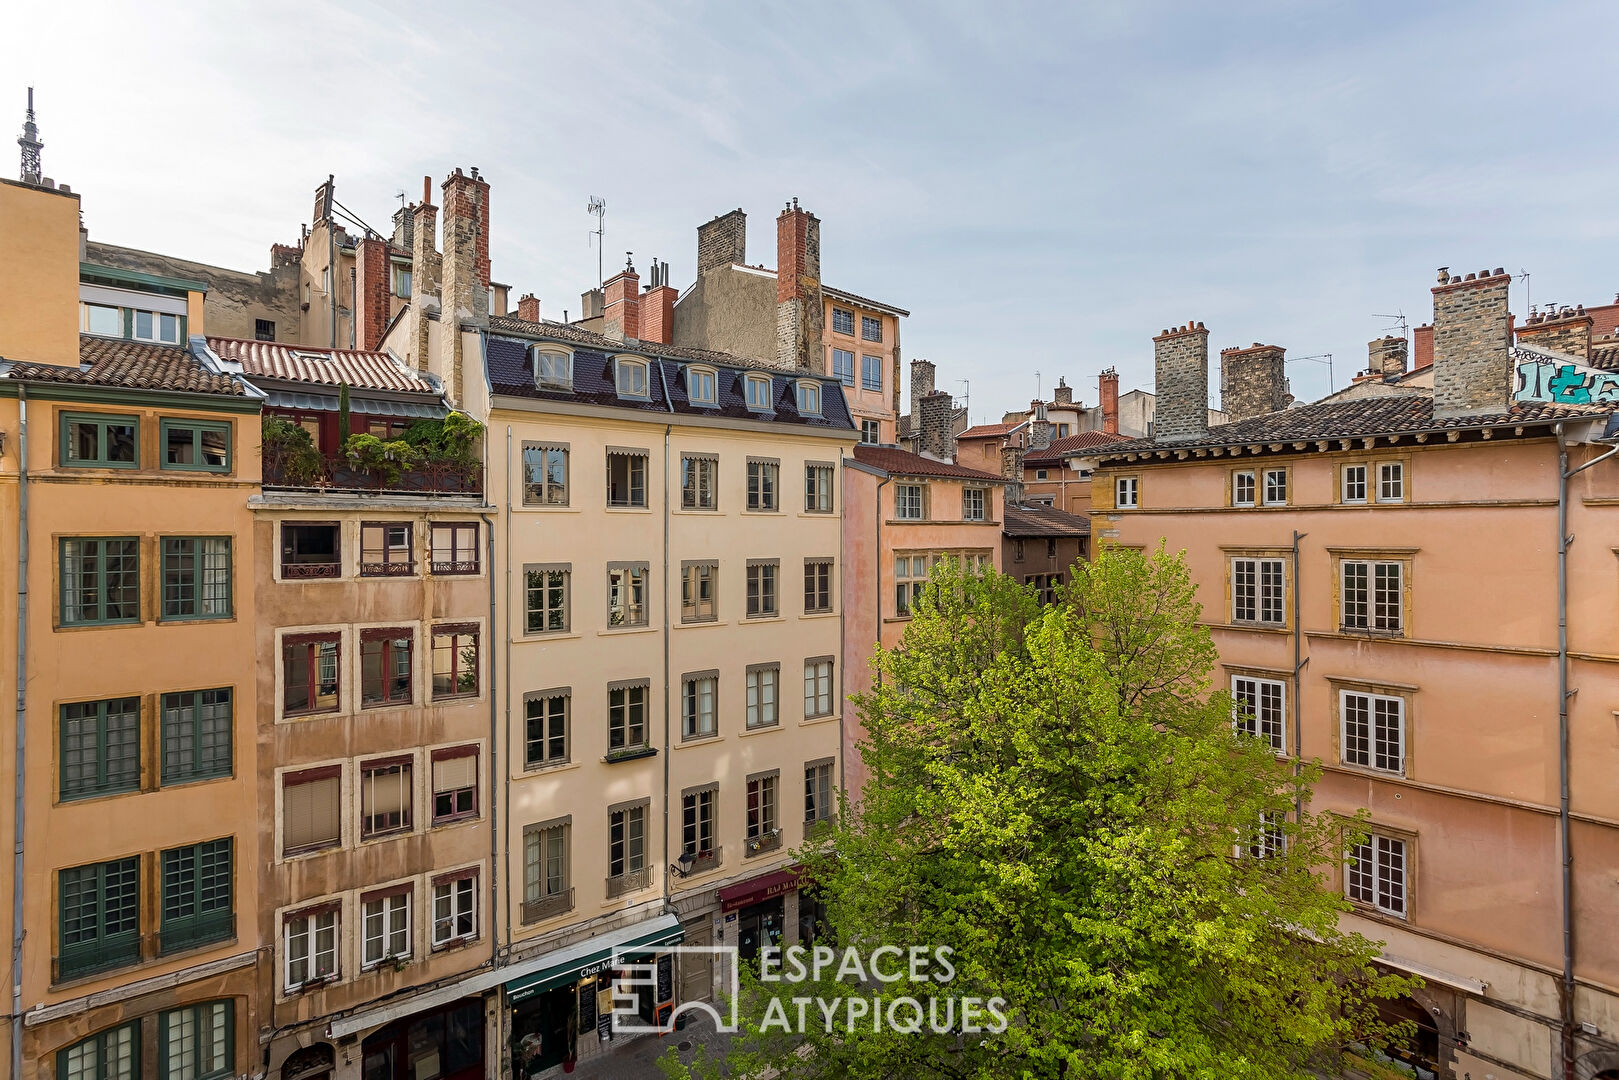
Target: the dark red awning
(760, 888)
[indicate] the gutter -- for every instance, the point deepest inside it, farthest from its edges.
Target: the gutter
(495, 831)
(506, 801)
(19, 810)
(668, 885)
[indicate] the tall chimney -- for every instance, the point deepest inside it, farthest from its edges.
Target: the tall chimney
(1253, 381)
(658, 307)
(1567, 331)
(1386, 357)
(424, 272)
(372, 291)
(623, 297)
(591, 304)
(1012, 470)
(800, 313)
(935, 438)
(528, 307)
(1063, 394)
(404, 234)
(1108, 392)
(1039, 426)
(1472, 367)
(1422, 347)
(464, 287)
(722, 241)
(922, 372)
(1181, 383)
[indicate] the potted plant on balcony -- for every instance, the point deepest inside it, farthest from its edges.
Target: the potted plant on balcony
(289, 452)
(384, 458)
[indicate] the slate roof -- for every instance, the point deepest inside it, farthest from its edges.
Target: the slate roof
(1026, 520)
(573, 335)
(325, 367)
(134, 365)
(1071, 444)
(904, 463)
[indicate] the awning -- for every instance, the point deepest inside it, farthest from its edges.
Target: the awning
(290, 399)
(1472, 986)
(760, 888)
(580, 961)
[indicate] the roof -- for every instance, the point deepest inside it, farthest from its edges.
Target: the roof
(856, 298)
(574, 335)
(1035, 519)
(892, 459)
(1072, 444)
(987, 431)
(326, 367)
(134, 365)
(1605, 357)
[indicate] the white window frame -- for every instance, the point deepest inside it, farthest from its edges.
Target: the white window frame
(156, 337)
(809, 398)
(558, 358)
(907, 508)
(871, 373)
(1270, 836)
(969, 512)
(389, 904)
(699, 706)
(1126, 492)
(1353, 477)
(702, 385)
(818, 688)
(759, 393)
(1368, 619)
(1258, 723)
(763, 697)
(1376, 746)
(1261, 601)
(1376, 868)
(1391, 486)
(454, 895)
(310, 935)
(1237, 479)
(873, 429)
(1273, 480)
(626, 369)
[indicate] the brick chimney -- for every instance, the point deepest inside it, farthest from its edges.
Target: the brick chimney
(1422, 347)
(1108, 392)
(800, 313)
(921, 386)
(1386, 357)
(1063, 394)
(722, 241)
(464, 284)
(1253, 381)
(658, 306)
(623, 298)
(371, 289)
(1565, 330)
(286, 255)
(934, 438)
(1012, 470)
(1181, 383)
(1472, 369)
(424, 272)
(528, 307)
(1039, 426)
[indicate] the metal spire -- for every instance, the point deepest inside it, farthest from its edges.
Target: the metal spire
(29, 141)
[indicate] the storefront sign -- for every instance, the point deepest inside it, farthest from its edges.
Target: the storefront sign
(592, 957)
(760, 888)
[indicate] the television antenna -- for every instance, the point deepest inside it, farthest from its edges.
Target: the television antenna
(1319, 358)
(598, 207)
(1397, 319)
(967, 399)
(1523, 276)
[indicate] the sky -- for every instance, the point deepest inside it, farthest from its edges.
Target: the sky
(1043, 186)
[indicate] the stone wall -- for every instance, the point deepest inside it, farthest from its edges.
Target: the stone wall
(236, 300)
(722, 241)
(1567, 331)
(800, 310)
(372, 286)
(1181, 382)
(935, 437)
(1253, 381)
(1386, 356)
(1471, 335)
(922, 381)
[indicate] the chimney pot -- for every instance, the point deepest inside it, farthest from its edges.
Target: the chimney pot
(1444, 275)
(1499, 271)
(427, 190)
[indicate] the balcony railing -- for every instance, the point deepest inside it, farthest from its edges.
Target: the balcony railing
(336, 473)
(633, 881)
(548, 907)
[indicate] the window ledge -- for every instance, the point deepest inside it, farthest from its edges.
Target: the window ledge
(697, 624)
(546, 767)
(542, 636)
(1263, 628)
(698, 511)
(628, 509)
(762, 729)
(180, 620)
(614, 757)
(1368, 770)
(824, 515)
(749, 619)
(766, 513)
(525, 509)
(1375, 635)
(819, 615)
(811, 721)
(697, 740)
(621, 630)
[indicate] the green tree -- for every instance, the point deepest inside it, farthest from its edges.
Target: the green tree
(1057, 795)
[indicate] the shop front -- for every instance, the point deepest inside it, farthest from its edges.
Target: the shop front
(759, 910)
(446, 1043)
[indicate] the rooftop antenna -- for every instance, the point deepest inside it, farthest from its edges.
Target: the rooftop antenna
(400, 195)
(1523, 276)
(31, 145)
(967, 399)
(1037, 396)
(1319, 358)
(1397, 319)
(598, 206)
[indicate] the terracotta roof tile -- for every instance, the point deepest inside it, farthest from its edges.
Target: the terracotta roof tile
(325, 367)
(1071, 444)
(904, 463)
(135, 365)
(1035, 519)
(986, 431)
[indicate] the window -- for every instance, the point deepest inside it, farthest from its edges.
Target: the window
(871, 432)
(1373, 731)
(100, 747)
(763, 474)
(817, 585)
(385, 796)
(842, 321)
(626, 478)
(1376, 874)
(196, 735)
(545, 871)
(545, 722)
(400, 280)
(100, 581)
(1242, 488)
(1257, 591)
(1391, 482)
(1044, 585)
(455, 784)
(762, 821)
(1354, 484)
(309, 674)
(310, 550)
(546, 605)
(387, 430)
(103, 320)
(626, 594)
(626, 717)
(762, 681)
(972, 504)
(385, 925)
(1017, 550)
(454, 547)
(809, 398)
(99, 909)
(311, 809)
(910, 575)
(1062, 431)
(1040, 474)
(197, 906)
(1126, 490)
(699, 695)
(1372, 596)
(1051, 548)
(263, 330)
(626, 841)
(871, 329)
(311, 947)
(1275, 487)
(762, 589)
(156, 326)
(699, 482)
(818, 489)
(909, 504)
(817, 792)
(701, 387)
(697, 822)
(843, 366)
(630, 376)
(196, 445)
(455, 661)
(385, 667)
(113, 1054)
(1270, 838)
(545, 475)
(455, 909)
(818, 687)
(871, 373)
(196, 1042)
(759, 393)
(1259, 709)
(698, 601)
(196, 577)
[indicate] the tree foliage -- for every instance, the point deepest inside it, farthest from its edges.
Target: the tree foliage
(1057, 795)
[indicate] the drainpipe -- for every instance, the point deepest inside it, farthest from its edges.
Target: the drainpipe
(17, 823)
(668, 885)
(505, 783)
(1298, 666)
(877, 504)
(495, 831)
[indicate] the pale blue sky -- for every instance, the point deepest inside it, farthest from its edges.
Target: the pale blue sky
(1045, 187)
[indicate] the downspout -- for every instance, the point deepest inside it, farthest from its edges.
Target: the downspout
(668, 885)
(506, 803)
(17, 821)
(1298, 666)
(495, 758)
(877, 507)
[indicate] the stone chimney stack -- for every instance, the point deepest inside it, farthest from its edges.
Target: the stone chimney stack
(658, 307)
(1181, 383)
(1063, 394)
(1472, 368)
(528, 307)
(1386, 357)
(800, 314)
(1565, 330)
(934, 438)
(464, 281)
(921, 386)
(372, 289)
(1108, 394)
(424, 271)
(404, 234)
(722, 241)
(1012, 470)
(623, 296)
(1253, 381)
(1039, 426)
(592, 303)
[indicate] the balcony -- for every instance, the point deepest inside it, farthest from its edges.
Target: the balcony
(335, 473)
(761, 843)
(548, 907)
(633, 881)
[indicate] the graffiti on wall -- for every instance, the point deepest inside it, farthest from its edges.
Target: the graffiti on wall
(1545, 378)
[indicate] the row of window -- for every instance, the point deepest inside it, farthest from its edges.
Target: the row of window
(91, 440)
(99, 742)
(135, 324)
(912, 502)
(195, 1042)
(548, 593)
(1371, 594)
(1376, 870)
(312, 666)
(1359, 483)
(1371, 726)
(911, 570)
(100, 579)
(871, 327)
(546, 480)
(871, 369)
(312, 798)
(632, 375)
(314, 549)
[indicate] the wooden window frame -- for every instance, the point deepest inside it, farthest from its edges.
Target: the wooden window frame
(101, 421)
(633, 497)
(754, 700)
(763, 486)
(199, 572)
(819, 581)
(407, 812)
(453, 566)
(691, 701)
(101, 572)
(550, 494)
(456, 812)
(311, 664)
(387, 637)
(297, 778)
(546, 758)
(389, 565)
(692, 606)
(204, 927)
(546, 610)
(197, 428)
(763, 586)
(193, 701)
(102, 786)
(458, 669)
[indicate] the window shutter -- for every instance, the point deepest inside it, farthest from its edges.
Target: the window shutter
(388, 792)
(452, 774)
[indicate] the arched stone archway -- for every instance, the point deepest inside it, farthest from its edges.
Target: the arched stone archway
(1597, 1065)
(309, 1062)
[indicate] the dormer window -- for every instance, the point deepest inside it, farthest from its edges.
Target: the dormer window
(758, 387)
(553, 368)
(809, 398)
(701, 386)
(630, 376)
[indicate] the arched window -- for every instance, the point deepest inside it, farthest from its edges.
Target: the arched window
(114, 1054)
(809, 398)
(630, 376)
(701, 385)
(758, 392)
(553, 367)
